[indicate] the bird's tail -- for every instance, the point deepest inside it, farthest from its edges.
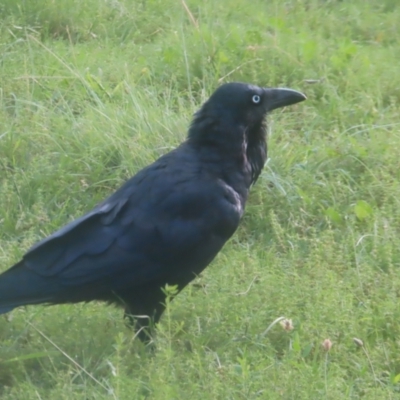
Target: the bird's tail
(21, 286)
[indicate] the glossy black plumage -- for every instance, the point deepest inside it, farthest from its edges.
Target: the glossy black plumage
(164, 225)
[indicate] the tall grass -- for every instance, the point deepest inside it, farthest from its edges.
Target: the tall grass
(92, 91)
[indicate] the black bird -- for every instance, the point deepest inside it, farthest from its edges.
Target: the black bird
(164, 225)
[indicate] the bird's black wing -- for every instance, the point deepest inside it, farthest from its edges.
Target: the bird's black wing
(160, 222)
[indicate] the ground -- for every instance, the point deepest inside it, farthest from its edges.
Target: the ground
(91, 91)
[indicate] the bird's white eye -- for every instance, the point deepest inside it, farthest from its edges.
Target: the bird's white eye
(256, 99)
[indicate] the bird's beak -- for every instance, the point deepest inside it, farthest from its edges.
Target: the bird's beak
(281, 97)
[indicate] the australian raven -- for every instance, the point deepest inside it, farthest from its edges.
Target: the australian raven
(164, 225)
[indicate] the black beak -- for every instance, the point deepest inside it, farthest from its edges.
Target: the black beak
(281, 97)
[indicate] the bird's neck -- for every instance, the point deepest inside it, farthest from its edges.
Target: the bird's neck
(235, 153)
(237, 150)
(237, 163)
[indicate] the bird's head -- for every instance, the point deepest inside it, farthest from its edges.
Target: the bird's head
(233, 121)
(237, 108)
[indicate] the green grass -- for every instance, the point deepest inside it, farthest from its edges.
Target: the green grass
(92, 91)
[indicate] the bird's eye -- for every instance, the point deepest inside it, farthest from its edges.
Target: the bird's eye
(256, 99)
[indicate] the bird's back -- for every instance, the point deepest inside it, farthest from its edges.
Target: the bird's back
(164, 225)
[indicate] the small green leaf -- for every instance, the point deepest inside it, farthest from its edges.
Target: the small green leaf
(333, 215)
(307, 350)
(296, 343)
(223, 57)
(363, 210)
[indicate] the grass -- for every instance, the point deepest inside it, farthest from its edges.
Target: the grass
(91, 91)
